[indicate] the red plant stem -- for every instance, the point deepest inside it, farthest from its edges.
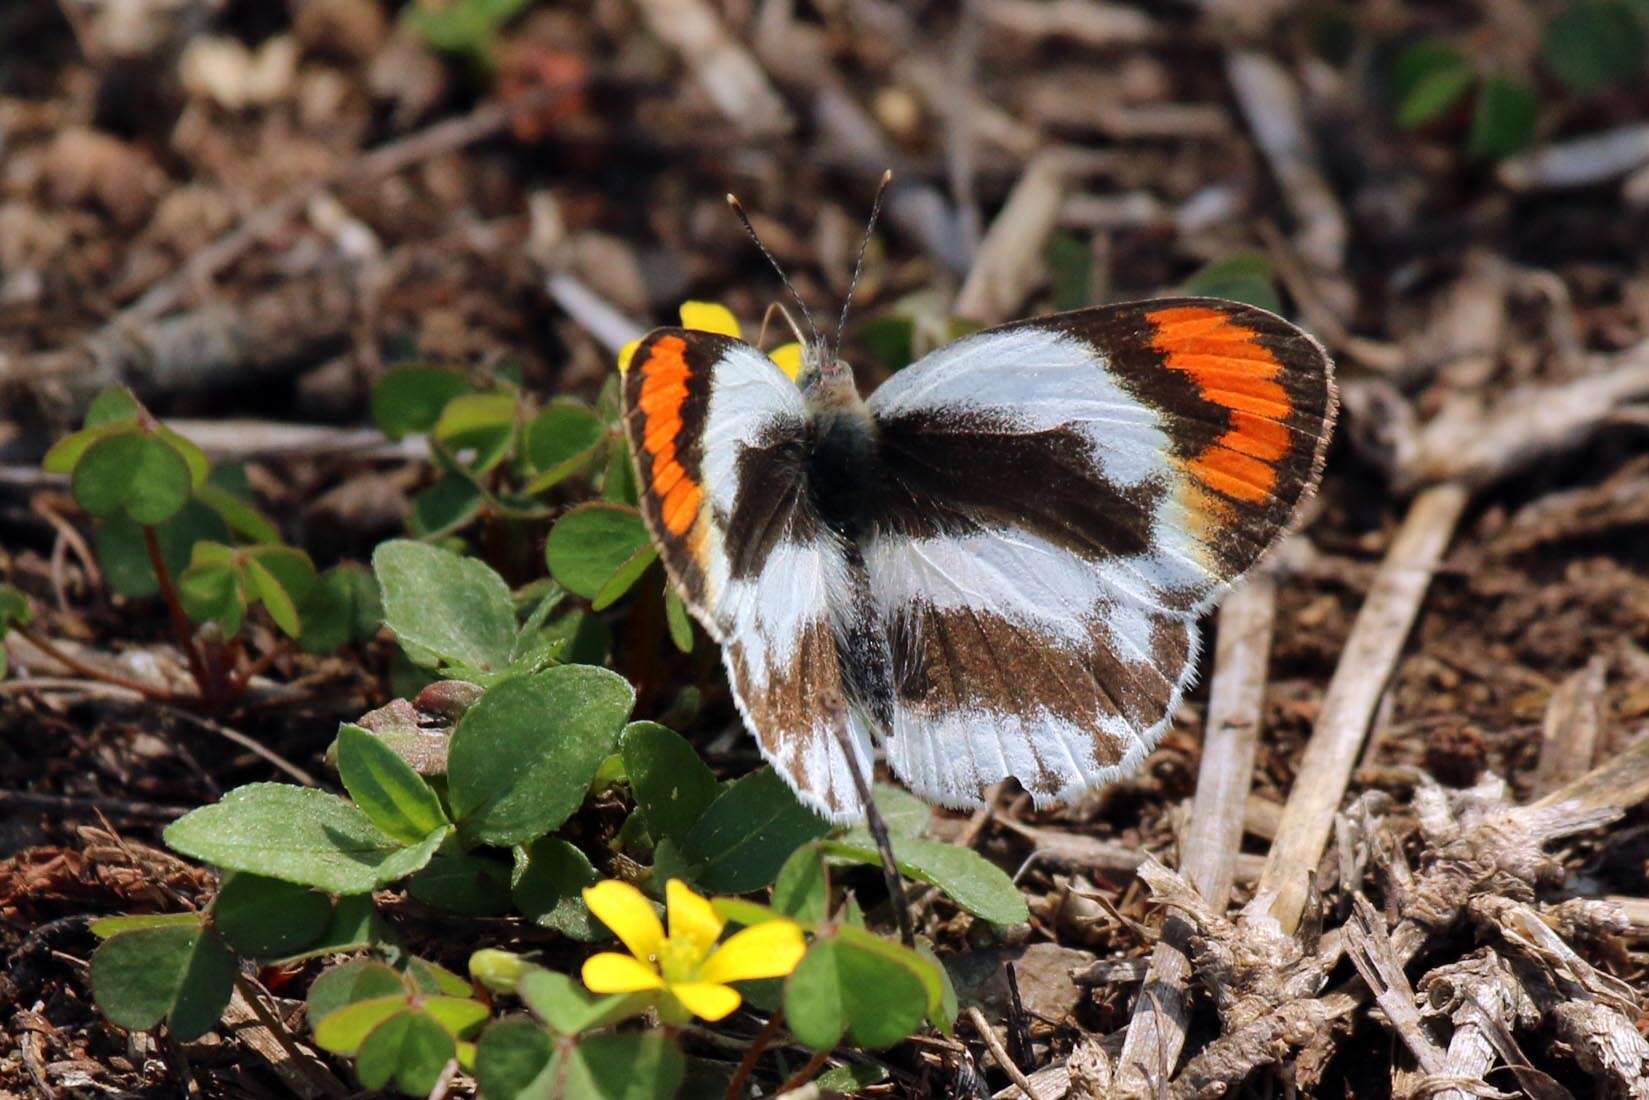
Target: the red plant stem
(180, 619)
(92, 672)
(747, 1065)
(238, 682)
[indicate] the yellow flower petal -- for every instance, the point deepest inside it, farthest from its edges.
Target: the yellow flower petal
(709, 317)
(630, 915)
(610, 972)
(789, 358)
(706, 999)
(627, 353)
(767, 950)
(691, 917)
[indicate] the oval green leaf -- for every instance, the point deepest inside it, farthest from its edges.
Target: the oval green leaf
(299, 835)
(384, 786)
(522, 758)
(591, 543)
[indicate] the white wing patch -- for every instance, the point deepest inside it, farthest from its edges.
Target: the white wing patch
(1035, 380)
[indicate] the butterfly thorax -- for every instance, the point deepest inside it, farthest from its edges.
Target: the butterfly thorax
(841, 458)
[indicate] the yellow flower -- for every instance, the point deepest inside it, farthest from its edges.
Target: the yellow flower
(717, 318)
(686, 966)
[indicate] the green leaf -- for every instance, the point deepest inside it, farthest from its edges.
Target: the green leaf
(591, 543)
(409, 1049)
(183, 975)
(568, 1008)
(125, 557)
(1429, 78)
(267, 918)
(114, 405)
(547, 884)
(354, 925)
(1503, 122)
(106, 927)
(458, 1015)
(14, 609)
(748, 832)
(270, 573)
(847, 983)
(624, 577)
(561, 441)
(446, 604)
(1593, 44)
(467, 883)
(393, 796)
(211, 592)
(133, 473)
(193, 457)
(239, 516)
(902, 812)
(523, 757)
(467, 27)
(1240, 277)
(444, 507)
(675, 615)
(341, 608)
(630, 1065)
(299, 835)
(343, 1030)
(479, 425)
(65, 454)
(672, 784)
(971, 880)
(618, 483)
(350, 983)
(511, 1060)
(943, 1015)
(851, 1078)
(435, 979)
(802, 889)
(410, 399)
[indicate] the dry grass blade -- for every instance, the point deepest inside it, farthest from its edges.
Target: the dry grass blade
(1365, 665)
(1157, 1030)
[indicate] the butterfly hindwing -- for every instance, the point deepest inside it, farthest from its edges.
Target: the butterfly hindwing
(718, 433)
(1059, 500)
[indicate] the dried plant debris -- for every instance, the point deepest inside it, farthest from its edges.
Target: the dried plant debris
(356, 274)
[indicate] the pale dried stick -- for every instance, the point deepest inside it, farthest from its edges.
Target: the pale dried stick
(595, 315)
(998, 1052)
(1569, 733)
(1208, 860)
(1476, 444)
(1270, 102)
(1365, 665)
(1090, 22)
(1009, 261)
(1579, 162)
(724, 68)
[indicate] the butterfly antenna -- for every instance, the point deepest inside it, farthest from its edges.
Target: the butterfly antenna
(859, 263)
(744, 219)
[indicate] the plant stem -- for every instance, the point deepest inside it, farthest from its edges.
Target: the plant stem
(878, 830)
(180, 619)
(92, 672)
(747, 1064)
(805, 1074)
(242, 678)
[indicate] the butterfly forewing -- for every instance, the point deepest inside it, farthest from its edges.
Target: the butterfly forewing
(719, 433)
(1057, 501)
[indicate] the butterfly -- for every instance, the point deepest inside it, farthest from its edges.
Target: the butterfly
(994, 567)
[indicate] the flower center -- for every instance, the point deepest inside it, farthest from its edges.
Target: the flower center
(679, 959)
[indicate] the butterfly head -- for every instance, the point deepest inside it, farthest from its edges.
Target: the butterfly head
(826, 382)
